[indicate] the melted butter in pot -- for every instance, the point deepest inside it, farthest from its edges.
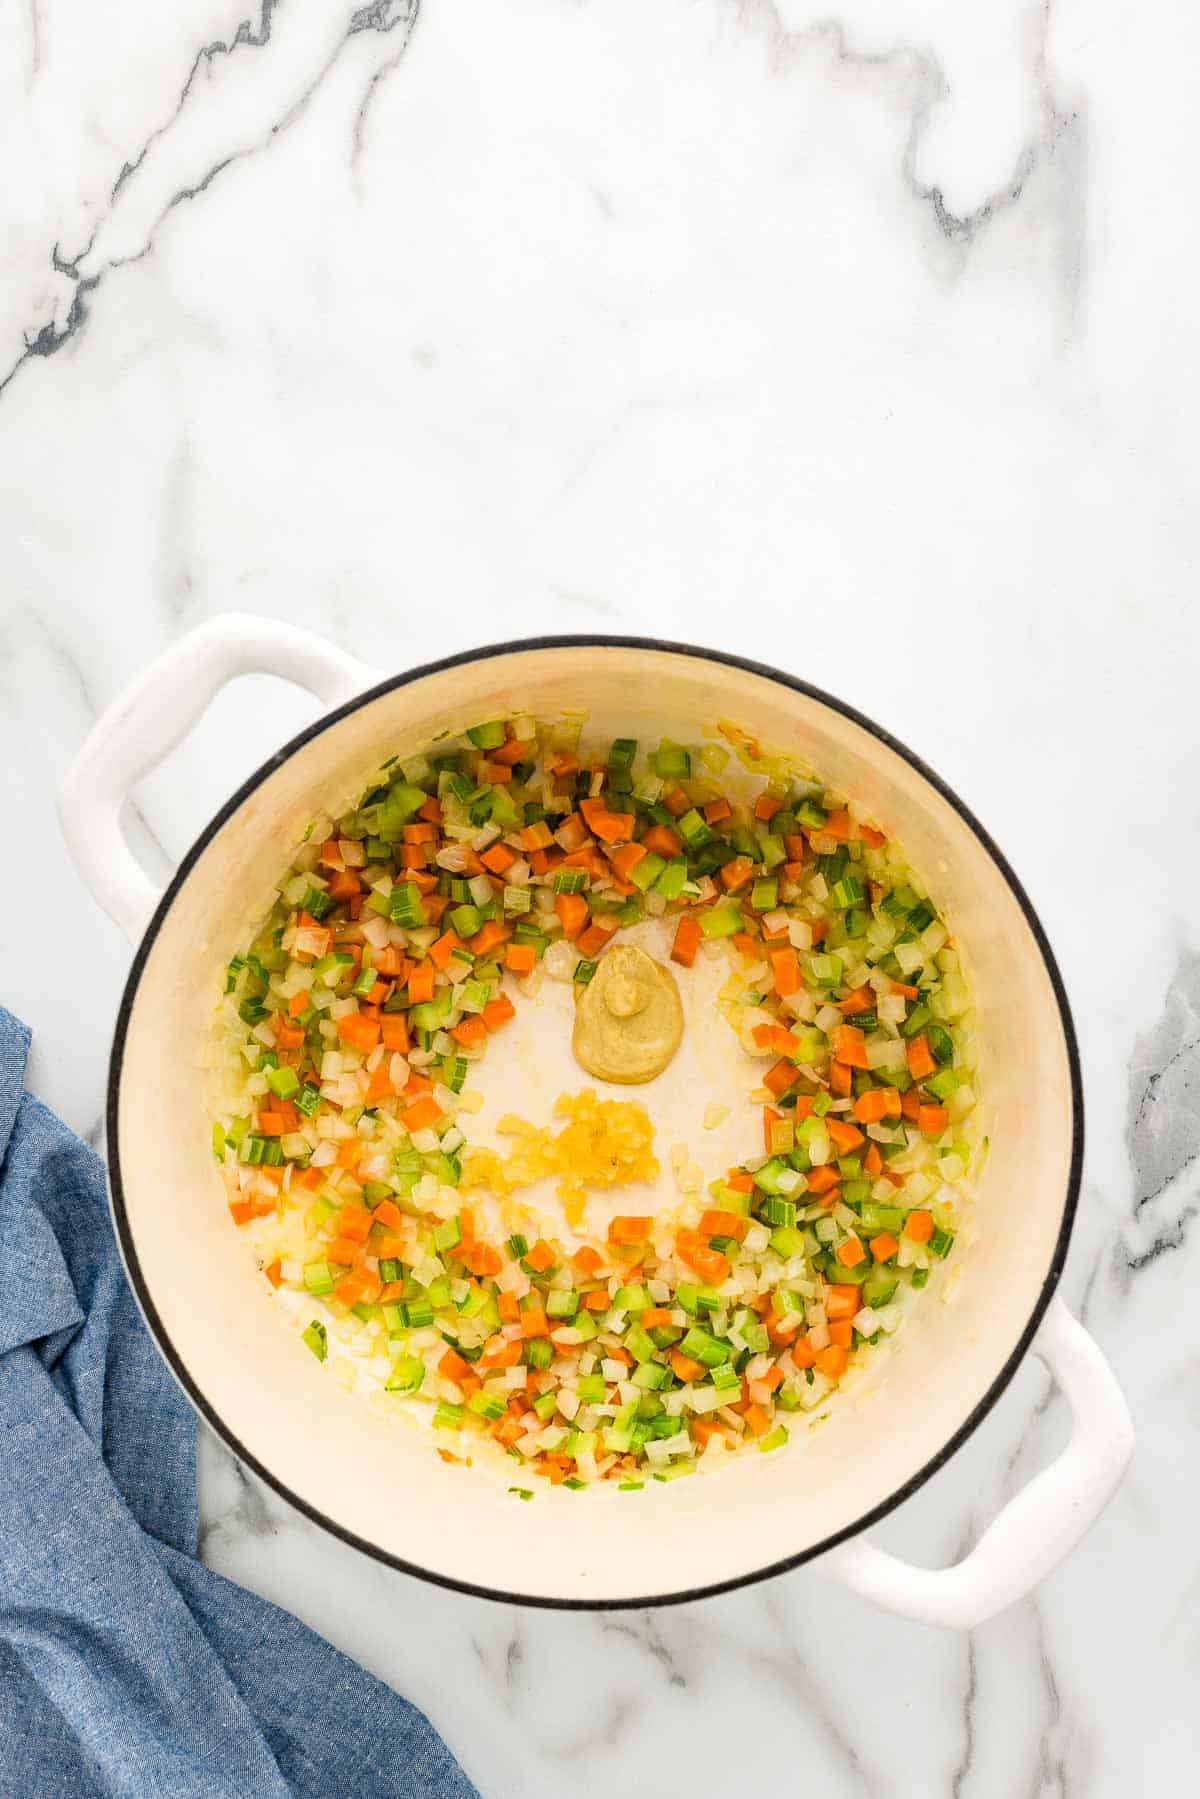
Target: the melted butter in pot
(629, 1019)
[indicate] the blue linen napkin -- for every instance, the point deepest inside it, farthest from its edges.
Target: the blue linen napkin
(126, 1666)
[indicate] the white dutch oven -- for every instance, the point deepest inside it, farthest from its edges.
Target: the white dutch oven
(379, 1486)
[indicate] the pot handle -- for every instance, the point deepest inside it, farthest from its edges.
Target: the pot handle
(1038, 1527)
(155, 714)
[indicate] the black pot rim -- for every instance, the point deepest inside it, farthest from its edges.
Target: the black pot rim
(162, 1336)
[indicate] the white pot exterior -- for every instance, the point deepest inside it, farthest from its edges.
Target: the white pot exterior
(383, 1486)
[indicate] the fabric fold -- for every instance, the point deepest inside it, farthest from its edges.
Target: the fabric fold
(126, 1666)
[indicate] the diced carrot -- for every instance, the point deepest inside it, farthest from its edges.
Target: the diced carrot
(394, 1029)
(918, 1226)
(877, 1103)
(663, 841)
(844, 1137)
(712, 1265)
(572, 834)
(498, 1352)
(421, 983)
(780, 1077)
(491, 934)
(534, 1322)
(803, 1353)
(470, 1031)
(776, 1037)
(288, 1036)
(540, 1256)
(360, 1286)
(514, 751)
(687, 941)
(842, 1301)
(270, 1124)
(274, 1272)
(626, 858)
(850, 1046)
(873, 1161)
(572, 910)
(884, 1246)
(919, 1057)
(387, 1212)
(838, 825)
(596, 1301)
(497, 774)
(746, 945)
(417, 1084)
(684, 1366)
(705, 1429)
(716, 1223)
(562, 762)
(908, 992)
(676, 801)
(610, 827)
(832, 1361)
(412, 855)
(932, 1120)
(804, 1104)
(654, 1317)
(351, 1152)
(380, 1085)
(785, 970)
(735, 874)
(443, 947)
(355, 1222)
(850, 1253)
(862, 999)
(770, 1117)
(421, 1116)
(593, 940)
(542, 862)
(910, 1105)
(520, 957)
(431, 810)
(871, 837)
(556, 1468)
(452, 1366)
(297, 1006)
(498, 1011)
(341, 1251)
(841, 1080)
(537, 836)
(757, 1421)
(823, 1178)
(739, 1180)
(242, 1210)
(767, 805)
(626, 1228)
(498, 858)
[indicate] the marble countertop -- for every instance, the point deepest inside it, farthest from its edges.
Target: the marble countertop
(862, 344)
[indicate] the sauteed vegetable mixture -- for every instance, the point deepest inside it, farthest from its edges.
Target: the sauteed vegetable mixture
(405, 937)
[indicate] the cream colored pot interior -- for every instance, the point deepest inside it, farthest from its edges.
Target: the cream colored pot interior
(383, 1483)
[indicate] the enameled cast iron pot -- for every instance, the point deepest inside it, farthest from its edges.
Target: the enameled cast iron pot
(380, 1487)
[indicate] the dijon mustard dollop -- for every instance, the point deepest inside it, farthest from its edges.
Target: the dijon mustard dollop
(629, 1018)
